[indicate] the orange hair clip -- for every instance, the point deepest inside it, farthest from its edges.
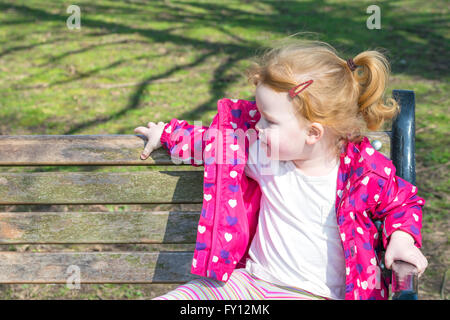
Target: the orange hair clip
(293, 92)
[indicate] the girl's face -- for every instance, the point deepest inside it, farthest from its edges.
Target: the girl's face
(280, 131)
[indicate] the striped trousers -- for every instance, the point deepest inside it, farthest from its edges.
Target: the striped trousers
(240, 286)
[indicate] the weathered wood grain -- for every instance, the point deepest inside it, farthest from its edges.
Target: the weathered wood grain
(47, 150)
(98, 227)
(40, 150)
(95, 267)
(101, 187)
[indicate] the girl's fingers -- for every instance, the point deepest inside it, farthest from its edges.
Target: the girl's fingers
(146, 152)
(423, 265)
(419, 261)
(148, 148)
(141, 130)
(388, 260)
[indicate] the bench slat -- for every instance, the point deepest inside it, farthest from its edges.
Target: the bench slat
(96, 267)
(48, 150)
(101, 187)
(98, 227)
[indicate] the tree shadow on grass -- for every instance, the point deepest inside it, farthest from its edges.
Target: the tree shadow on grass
(346, 22)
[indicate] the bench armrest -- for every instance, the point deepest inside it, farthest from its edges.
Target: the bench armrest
(404, 281)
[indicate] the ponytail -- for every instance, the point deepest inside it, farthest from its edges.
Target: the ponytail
(373, 76)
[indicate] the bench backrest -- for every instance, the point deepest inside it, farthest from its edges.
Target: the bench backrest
(23, 185)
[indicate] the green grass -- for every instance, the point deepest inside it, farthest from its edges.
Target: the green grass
(136, 61)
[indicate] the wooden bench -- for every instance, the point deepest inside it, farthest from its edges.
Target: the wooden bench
(23, 183)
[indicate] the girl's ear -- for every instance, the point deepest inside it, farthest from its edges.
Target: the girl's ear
(314, 133)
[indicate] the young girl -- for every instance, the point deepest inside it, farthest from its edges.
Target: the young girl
(292, 187)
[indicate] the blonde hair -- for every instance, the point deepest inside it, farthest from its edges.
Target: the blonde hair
(344, 101)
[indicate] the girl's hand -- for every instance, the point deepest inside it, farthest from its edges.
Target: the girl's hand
(401, 247)
(153, 133)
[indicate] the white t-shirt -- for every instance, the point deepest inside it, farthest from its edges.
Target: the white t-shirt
(297, 241)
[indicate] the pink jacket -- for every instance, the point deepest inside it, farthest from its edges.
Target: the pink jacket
(367, 190)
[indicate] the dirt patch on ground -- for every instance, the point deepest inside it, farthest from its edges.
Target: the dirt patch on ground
(434, 284)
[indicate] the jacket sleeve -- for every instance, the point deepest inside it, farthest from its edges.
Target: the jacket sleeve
(401, 208)
(184, 142)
